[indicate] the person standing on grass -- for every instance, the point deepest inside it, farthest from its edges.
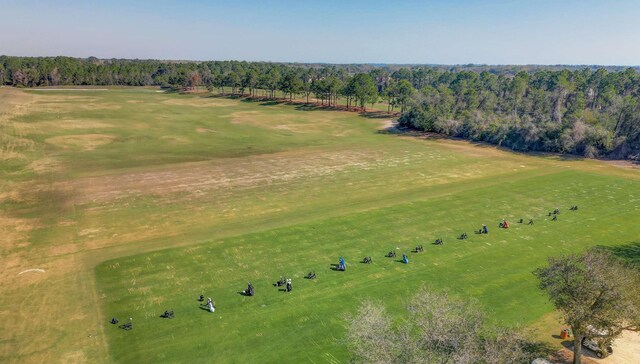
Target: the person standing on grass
(289, 286)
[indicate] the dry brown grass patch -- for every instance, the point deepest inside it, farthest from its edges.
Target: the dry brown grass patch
(85, 142)
(200, 102)
(45, 165)
(205, 130)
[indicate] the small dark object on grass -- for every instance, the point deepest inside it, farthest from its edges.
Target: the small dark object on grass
(438, 242)
(463, 236)
(521, 221)
(555, 218)
(311, 275)
(114, 321)
(556, 211)
(281, 282)
(391, 254)
(201, 298)
(367, 260)
(573, 208)
(530, 221)
(128, 325)
(418, 249)
(549, 214)
(168, 314)
(249, 290)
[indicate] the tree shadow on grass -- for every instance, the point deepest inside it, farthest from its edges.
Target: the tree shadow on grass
(320, 107)
(586, 352)
(630, 253)
(271, 103)
(377, 114)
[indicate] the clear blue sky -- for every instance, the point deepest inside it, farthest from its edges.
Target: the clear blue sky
(336, 31)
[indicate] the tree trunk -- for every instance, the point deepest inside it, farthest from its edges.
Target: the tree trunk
(577, 349)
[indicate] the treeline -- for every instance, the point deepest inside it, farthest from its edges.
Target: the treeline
(587, 111)
(328, 83)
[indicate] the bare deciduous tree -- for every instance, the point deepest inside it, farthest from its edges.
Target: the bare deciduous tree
(440, 329)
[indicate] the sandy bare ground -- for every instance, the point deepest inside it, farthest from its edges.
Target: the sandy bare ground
(626, 350)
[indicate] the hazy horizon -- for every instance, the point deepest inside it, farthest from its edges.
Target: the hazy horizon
(493, 32)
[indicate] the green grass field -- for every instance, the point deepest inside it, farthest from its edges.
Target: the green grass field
(135, 201)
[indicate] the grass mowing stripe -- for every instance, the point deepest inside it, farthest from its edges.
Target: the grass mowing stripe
(496, 269)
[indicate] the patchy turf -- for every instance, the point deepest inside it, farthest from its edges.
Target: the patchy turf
(250, 191)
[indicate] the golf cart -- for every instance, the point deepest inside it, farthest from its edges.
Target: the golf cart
(601, 347)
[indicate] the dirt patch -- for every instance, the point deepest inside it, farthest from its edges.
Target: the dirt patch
(205, 130)
(389, 124)
(82, 141)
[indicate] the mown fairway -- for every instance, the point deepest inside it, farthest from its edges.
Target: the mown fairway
(135, 201)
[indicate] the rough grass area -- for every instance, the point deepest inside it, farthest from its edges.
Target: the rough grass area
(134, 201)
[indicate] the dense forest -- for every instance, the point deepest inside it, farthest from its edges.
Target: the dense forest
(589, 111)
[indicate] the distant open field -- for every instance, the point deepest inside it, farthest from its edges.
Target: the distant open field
(134, 201)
